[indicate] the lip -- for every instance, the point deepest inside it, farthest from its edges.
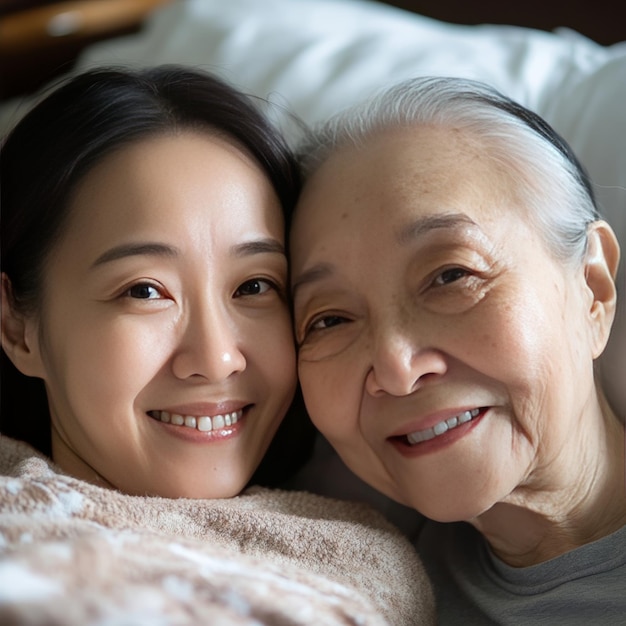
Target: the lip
(400, 442)
(204, 408)
(431, 420)
(192, 434)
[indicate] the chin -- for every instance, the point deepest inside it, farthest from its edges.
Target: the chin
(451, 509)
(215, 492)
(194, 491)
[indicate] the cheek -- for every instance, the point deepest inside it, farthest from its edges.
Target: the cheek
(332, 397)
(104, 365)
(279, 345)
(270, 349)
(507, 338)
(132, 349)
(525, 346)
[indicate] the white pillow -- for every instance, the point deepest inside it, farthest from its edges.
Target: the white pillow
(317, 56)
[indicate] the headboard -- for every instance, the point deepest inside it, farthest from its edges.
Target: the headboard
(598, 20)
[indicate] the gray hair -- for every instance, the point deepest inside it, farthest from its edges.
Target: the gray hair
(549, 179)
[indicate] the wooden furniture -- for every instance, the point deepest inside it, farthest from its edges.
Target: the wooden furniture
(600, 20)
(39, 40)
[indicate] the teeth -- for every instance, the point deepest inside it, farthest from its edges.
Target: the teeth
(442, 427)
(204, 423)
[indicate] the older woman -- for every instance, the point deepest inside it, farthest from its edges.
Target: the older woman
(453, 286)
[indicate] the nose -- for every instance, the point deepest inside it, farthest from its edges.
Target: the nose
(209, 348)
(399, 364)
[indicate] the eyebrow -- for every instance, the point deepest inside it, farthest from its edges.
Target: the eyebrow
(423, 225)
(404, 236)
(259, 246)
(315, 273)
(135, 249)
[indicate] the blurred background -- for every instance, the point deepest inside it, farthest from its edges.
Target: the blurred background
(40, 39)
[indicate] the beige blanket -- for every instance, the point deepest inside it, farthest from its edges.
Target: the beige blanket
(75, 554)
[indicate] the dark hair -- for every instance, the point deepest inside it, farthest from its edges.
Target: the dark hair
(70, 130)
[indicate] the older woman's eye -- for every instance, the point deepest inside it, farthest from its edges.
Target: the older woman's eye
(450, 276)
(254, 287)
(143, 291)
(327, 321)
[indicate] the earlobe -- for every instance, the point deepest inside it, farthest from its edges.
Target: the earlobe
(18, 334)
(601, 264)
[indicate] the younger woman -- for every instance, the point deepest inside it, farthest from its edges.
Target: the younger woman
(144, 282)
(143, 277)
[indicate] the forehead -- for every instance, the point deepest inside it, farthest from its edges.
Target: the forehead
(155, 177)
(192, 191)
(162, 159)
(397, 175)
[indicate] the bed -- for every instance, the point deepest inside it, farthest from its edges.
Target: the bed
(314, 57)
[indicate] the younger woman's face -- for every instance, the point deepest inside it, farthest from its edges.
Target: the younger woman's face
(164, 337)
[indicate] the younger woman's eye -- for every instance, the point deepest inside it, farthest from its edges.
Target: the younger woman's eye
(254, 287)
(143, 291)
(450, 275)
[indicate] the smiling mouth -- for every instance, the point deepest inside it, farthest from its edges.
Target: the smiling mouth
(203, 423)
(442, 427)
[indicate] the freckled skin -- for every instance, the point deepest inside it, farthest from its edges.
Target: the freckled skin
(513, 333)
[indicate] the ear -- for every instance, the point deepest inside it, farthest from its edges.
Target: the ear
(19, 334)
(601, 262)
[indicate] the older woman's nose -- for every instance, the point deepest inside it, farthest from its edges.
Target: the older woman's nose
(399, 364)
(209, 348)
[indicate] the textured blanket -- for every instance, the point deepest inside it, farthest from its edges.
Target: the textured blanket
(75, 554)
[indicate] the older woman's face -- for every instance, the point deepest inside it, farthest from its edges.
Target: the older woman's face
(442, 350)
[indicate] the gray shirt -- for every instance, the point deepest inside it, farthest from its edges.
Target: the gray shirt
(586, 586)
